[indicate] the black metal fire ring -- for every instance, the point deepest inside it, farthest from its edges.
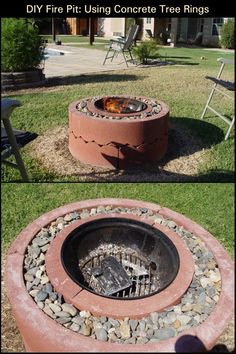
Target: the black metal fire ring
(120, 258)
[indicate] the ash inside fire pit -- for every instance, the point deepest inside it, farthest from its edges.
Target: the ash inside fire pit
(120, 105)
(120, 258)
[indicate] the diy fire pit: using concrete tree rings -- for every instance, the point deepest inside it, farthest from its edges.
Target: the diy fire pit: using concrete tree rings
(118, 131)
(78, 280)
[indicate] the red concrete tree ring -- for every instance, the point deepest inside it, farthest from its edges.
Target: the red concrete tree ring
(102, 306)
(35, 325)
(117, 142)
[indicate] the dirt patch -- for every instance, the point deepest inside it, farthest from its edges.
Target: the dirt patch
(184, 156)
(12, 342)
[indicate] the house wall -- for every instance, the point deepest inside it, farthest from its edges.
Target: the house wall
(113, 27)
(208, 38)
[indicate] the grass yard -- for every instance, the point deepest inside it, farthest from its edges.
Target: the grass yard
(183, 87)
(209, 204)
(77, 41)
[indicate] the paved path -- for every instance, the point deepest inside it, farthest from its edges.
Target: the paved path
(77, 61)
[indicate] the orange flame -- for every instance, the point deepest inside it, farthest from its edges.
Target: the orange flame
(115, 105)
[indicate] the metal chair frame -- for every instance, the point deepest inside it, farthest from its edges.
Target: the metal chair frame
(7, 107)
(122, 45)
(230, 86)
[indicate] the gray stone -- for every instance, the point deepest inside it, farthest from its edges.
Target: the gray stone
(70, 309)
(55, 308)
(170, 318)
(133, 324)
(68, 217)
(141, 340)
(35, 251)
(85, 314)
(186, 300)
(149, 333)
(101, 209)
(165, 333)
(48, 288)
(154, 317)
(36, 281)
(204, 282)
(201, 299)
(211, 291)
(113, 322)
(75, 327)
(103, 319)
(75, 215)
(187, 307)
(40, 304)
(101, 334)
(48, 311)
(184, 319)
(32, 271)
(78, 320)
(41, 296)
(84, 215)
(34, 292)
(45, 248)
(29, 277)
(39, 273)
(141, 326)
(63, 314)
(63, 320)
(171, 224)
(42, 241)
(112, 337)
(44, 279)
(207, 309)
(197, 308)
(53, 296)
(131, 340)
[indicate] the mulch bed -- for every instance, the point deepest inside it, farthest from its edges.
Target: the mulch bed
(184, 156)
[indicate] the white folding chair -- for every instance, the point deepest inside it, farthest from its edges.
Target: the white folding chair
(228, 86)
(9, 144)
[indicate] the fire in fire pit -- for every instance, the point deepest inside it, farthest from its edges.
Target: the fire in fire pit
(120, 105)
(118, 131)
(120, 258)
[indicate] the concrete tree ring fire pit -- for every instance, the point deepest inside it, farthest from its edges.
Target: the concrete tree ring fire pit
(118, 131)
(118, 275)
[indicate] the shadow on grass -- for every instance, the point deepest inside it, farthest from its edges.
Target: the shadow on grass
(87, 78)
(186, 137)
(164, 60)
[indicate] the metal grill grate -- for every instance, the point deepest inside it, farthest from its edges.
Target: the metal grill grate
(142, 273)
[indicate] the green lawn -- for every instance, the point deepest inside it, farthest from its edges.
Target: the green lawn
(73, 39)
(77, 41)
(183, 87)
(209, 204)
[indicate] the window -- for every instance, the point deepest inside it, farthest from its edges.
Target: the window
(168, 24)
(216, 26)
(202, 25)
(148, 20)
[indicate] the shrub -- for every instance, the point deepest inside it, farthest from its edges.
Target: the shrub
(227, 35)
(146, 50)
(22, 47)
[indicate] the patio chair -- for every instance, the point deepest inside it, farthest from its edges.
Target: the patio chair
(12, 139)
(227, 86)
(122, 45)
(149, 33)
(197, 40)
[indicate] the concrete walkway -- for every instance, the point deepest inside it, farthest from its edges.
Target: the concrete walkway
(77, 61)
